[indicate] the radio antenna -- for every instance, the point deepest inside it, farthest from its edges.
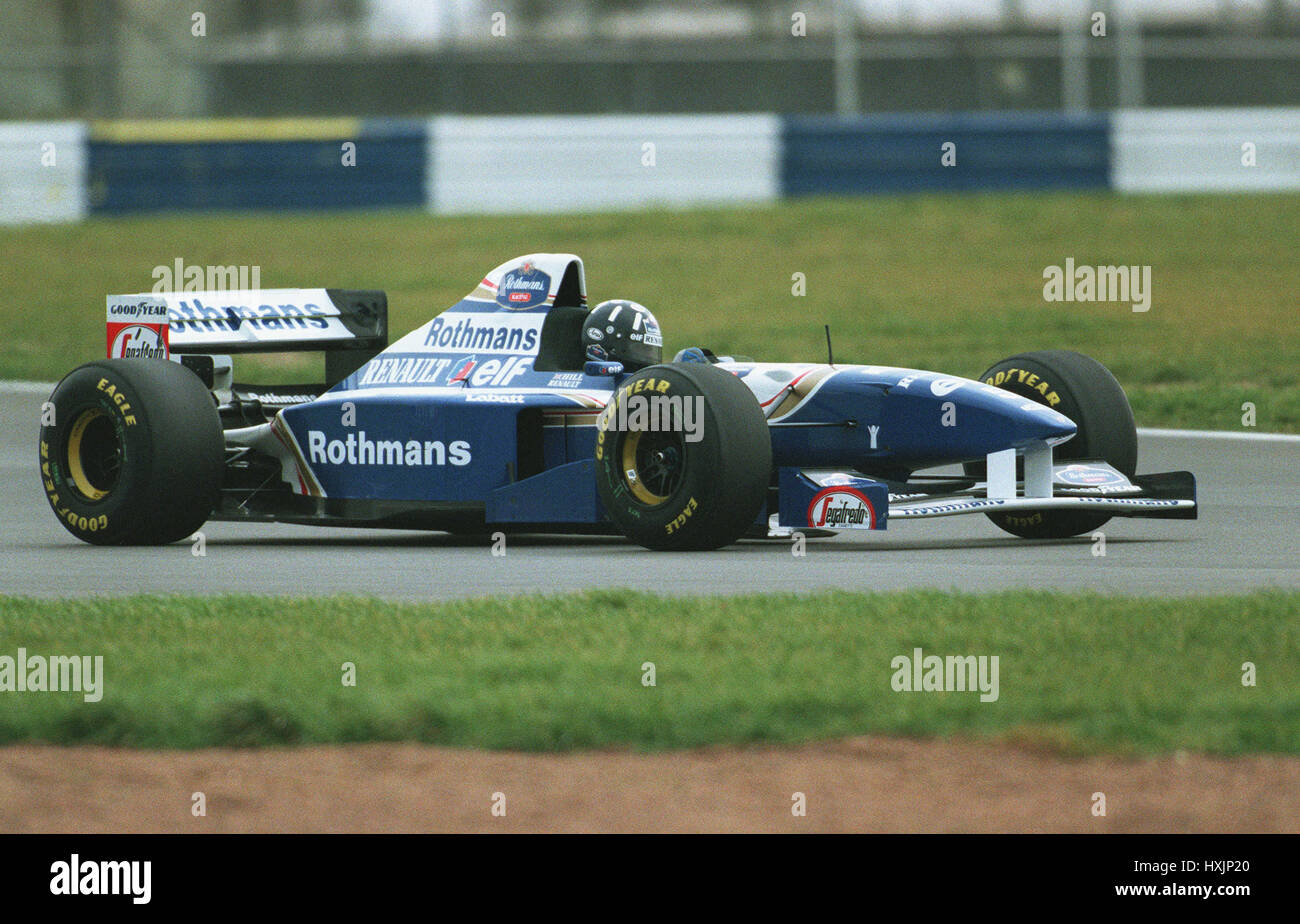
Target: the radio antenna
(830, 357)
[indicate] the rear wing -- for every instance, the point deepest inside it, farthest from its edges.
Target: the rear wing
(349, 325)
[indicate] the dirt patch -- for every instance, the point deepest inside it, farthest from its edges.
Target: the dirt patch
(862, 784)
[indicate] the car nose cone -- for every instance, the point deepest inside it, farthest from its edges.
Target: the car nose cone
(1039, 422)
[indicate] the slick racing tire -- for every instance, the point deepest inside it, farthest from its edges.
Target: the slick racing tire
(133, 454)
(1083, 390)
(672, 490)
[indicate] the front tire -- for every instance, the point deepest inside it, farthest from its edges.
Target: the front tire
(665, 490)
(1083, 390)
(135, 453)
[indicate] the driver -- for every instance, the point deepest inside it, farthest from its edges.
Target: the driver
(625, 332)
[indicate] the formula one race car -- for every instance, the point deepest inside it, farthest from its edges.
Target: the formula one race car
(518, 409)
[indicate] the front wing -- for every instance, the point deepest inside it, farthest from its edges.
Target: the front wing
(836, 500)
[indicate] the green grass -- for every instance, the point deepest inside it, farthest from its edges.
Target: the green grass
(951, 283)
(1078, 673)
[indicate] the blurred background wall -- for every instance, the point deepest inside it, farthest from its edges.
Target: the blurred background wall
(535, 105)
(141, 58)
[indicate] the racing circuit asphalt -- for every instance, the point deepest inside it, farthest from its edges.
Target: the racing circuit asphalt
(1249, 492)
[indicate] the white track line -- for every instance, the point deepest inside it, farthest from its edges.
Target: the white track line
(26, 388)
(44, 388)
(1220, 435)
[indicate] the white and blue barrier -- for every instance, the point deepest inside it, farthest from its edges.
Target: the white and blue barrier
(1205, 150)
(944, 151)
(273, 164)
(42, 172)
(537, 164)
(603, 162)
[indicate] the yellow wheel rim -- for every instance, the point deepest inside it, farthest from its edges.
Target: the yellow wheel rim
(640, 473)
(630, 472)
(76, 467)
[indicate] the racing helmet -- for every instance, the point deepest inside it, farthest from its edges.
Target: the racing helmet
(625, 332)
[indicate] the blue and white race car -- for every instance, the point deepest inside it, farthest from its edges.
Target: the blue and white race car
(519, 409)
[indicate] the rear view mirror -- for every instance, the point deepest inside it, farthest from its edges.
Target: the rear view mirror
(602, 367)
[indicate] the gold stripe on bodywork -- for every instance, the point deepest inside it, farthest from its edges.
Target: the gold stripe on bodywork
(579, 419)
(287, 439)
(796, 396)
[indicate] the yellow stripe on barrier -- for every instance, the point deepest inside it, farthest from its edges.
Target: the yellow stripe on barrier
(181, 130)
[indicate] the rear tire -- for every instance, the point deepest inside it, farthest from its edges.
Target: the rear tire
(135, 454)
(1083, 390)
(667, 492)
